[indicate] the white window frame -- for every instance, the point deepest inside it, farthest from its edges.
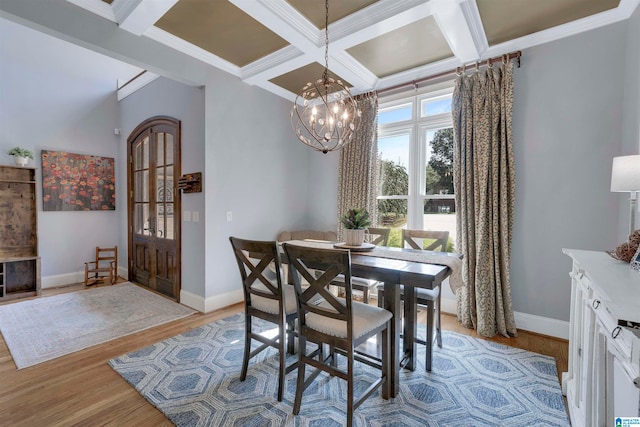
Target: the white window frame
(417, 129)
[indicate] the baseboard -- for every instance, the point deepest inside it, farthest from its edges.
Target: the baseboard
(542, 325)
(524, 321)
(55, 281)
(58, 280)
(208, 305)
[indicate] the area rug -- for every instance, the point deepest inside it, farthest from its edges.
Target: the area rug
(193, 378)
(42, 329)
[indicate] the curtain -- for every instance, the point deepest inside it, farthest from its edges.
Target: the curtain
(358, 174)
(484, 193)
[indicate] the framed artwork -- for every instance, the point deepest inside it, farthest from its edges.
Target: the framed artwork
(77, 182)
(635, 261)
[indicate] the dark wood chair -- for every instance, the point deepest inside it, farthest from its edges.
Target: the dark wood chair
(340, 323)
(429, 298)
(267, 297)
(376, 236)
(105, 266)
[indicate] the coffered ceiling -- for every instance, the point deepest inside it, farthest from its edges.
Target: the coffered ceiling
(279, 44)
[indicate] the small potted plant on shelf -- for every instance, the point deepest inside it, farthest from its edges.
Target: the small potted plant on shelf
(356, 222)
(21, 155)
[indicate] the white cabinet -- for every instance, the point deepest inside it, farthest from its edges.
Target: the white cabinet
(604, 357)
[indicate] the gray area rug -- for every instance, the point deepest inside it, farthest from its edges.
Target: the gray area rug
(193, 378)
(42, 329)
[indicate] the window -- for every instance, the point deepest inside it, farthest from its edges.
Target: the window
(415, 154)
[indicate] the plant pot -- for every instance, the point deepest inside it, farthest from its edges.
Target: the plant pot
(354, 237)
(21, 161)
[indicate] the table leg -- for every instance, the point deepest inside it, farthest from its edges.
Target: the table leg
(409, 345)
(392, 303)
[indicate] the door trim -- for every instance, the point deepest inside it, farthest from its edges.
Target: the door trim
(177, 195)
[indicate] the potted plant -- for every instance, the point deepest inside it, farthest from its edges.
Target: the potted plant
(21, 155)
(355, 222)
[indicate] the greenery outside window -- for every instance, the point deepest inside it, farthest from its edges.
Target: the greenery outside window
(415, 151)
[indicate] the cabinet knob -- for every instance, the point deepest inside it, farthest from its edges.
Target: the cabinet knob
(596, 303)
(616, 332)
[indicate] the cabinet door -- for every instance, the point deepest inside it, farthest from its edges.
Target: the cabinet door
(623, 396)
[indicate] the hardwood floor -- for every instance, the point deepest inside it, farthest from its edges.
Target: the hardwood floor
(80, 389)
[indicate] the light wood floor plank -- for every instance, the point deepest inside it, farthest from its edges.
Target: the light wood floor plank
(81, 389)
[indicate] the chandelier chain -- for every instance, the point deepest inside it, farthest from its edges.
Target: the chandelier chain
(324, 115)
(326, 40)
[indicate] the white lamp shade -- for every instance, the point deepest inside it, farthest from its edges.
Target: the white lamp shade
(625, 174)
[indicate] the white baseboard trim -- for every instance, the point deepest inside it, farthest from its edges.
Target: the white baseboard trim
(542, 325)
(526, 322)
(66, 279)
(210, 304)
(58, 280)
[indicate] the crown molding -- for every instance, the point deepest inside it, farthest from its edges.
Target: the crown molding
(280, 62)
(100, 8)
(161, 36)
(474, 23)
(137, 16)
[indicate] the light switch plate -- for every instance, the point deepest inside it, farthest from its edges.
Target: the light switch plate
(195, 216)
(186, 216)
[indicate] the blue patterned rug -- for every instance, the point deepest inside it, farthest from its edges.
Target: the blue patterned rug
(193, 379)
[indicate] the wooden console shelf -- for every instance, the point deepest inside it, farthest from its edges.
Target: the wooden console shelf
(19, 260)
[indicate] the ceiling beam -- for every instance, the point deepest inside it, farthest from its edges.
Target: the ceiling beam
(137, 16)
(462, 28)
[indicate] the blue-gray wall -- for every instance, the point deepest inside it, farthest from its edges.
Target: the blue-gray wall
(61, 97)
(567, 123)
(630, 113)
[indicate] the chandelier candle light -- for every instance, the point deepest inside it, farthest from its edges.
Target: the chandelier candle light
(325, 115)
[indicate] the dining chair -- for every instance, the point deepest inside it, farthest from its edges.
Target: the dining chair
(430, 298)
(378, 237)
(267, 297)
(340, 323)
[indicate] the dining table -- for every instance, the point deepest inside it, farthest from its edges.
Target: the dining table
(411, 268)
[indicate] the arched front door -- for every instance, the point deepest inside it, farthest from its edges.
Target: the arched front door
(154, 205)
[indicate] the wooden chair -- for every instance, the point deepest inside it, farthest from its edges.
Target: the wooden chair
(379, 237)
(341, 323)
(265, 297)
(436, 240)
(105, 266)
(429, 298)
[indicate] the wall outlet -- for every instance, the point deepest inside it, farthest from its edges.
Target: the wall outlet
(229, 216)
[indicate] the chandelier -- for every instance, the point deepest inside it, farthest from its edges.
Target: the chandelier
(325, 115)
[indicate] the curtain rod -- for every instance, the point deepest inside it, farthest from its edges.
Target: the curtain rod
(506, 57)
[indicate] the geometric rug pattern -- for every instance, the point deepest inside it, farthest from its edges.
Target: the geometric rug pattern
(193, 378)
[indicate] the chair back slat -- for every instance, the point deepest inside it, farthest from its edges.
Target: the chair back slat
(259, 265)
(304, 262)
(379, 236)
(440, 239)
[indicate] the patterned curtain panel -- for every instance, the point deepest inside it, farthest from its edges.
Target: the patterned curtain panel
(484, 192)
(358, 175)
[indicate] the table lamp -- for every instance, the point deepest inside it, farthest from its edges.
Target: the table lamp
(625, 177)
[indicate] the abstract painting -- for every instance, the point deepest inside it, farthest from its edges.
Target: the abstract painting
(77, 182)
